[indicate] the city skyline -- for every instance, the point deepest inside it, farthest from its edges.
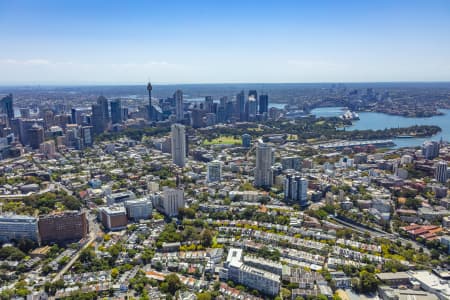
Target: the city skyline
(202, 42)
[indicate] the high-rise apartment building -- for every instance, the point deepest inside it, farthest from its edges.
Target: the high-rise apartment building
(178, 145)
(179, 108)
(171, 201)
(430, 149)
(214, 172)
(295, 189)
(441, 171)
(263, 170)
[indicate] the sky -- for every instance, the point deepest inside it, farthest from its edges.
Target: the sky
(169, 42)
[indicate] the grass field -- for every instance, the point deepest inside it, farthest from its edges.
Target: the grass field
(227, 140)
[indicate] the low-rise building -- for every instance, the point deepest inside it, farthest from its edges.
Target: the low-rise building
(114, 217)
(63, 227)
(16, 227)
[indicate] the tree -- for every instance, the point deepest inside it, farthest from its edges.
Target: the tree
(207, 238)
(185, 212)
(204, 296)
(114, 273)
(367, 281)
(171, 283)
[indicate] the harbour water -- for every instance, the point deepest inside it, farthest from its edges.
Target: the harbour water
(379, 121)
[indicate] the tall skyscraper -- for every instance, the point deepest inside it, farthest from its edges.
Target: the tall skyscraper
(240, 105)
(263, 104)
(35, 136)
(103, 102)
(214, 172)
(209, 104)
(116, 111)
(6, 107)
(441, 171)
(97, 121)
(179, 145)
(179, 109)
(263, 170)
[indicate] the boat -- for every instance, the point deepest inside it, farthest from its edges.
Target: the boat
(404, 136)
(350, 115)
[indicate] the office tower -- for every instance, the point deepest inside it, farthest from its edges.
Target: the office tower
(24, 126)
(79, 115)
(116, 111)
(197, 118)
(263, 104)
(17, 227)
(295, 189)
(294, 163)
(179, 145)
(172, 200)
(430, 149)
(114, 217)
(252, 109)
(214, 172)
(35, 136)
(86, 136)
(139, 209)
(103, 102)
(6, 107)
(97, 119)
(263, 170)
(246, 140)
(240, 105)
(63, 227)
(209, 104)
(229, 107)
(221, 114)
(179, 109)
(253, 94)
(441, 171)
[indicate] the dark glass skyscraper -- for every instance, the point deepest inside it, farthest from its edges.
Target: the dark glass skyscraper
(263, 104)
(240, 105)
(98, 124)
(103, 102)
(116, 111)
(6, 106)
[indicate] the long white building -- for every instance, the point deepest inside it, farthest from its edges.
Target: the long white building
(16, 227)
